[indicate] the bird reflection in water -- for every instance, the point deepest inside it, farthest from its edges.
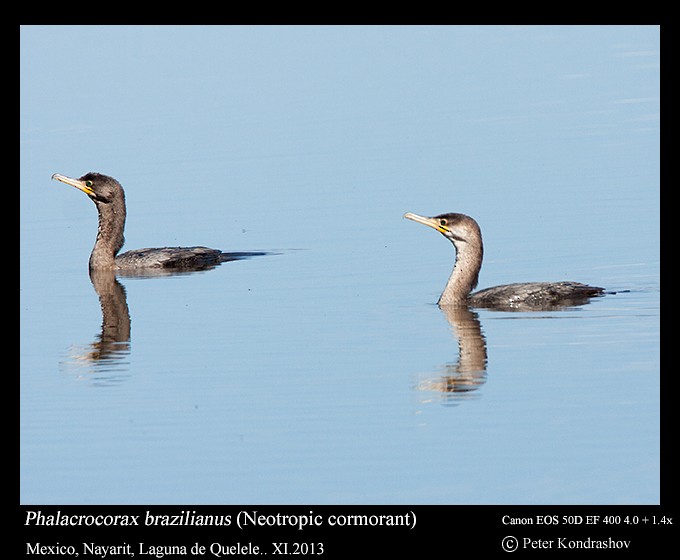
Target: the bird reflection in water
(469, 372)
(458, 381)
(107, 354)
(104, 361)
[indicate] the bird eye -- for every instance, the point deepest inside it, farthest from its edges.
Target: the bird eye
(88, 183)
(442, 222)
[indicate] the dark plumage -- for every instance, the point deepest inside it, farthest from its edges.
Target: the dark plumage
(466, 237)
(109, 198)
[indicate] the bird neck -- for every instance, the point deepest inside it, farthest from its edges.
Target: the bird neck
(110, 236)
(465, 272)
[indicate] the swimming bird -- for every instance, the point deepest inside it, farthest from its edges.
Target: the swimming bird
(466, 236)
(109, 198)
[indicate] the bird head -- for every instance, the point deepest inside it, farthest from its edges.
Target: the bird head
(100, 188)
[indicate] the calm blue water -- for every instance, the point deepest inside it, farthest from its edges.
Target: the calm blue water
(316, 374)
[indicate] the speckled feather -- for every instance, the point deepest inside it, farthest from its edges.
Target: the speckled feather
(466, 236)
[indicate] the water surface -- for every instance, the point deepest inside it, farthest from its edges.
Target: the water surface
(324, 372)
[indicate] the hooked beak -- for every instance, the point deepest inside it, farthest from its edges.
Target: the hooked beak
(432, 222)
(77, 183)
